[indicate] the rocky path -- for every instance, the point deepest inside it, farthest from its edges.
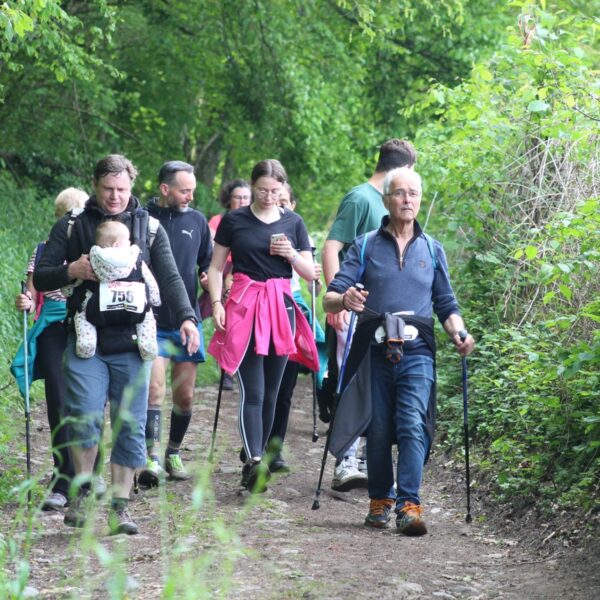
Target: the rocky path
(206, 539)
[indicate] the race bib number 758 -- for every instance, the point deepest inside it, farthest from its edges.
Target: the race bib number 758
(123, 295)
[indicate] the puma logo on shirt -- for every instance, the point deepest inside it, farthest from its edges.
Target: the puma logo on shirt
(188, 232)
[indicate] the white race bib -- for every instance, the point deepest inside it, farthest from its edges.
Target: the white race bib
(123, 295)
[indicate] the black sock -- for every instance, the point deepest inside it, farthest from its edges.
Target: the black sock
(179, 425)
(153, 427)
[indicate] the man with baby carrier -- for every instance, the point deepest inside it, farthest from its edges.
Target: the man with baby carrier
(116, 372)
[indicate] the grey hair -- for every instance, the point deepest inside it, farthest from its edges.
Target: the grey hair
(391, 175)
(170, 169)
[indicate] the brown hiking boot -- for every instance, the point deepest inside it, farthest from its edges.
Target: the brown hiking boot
(409, 520)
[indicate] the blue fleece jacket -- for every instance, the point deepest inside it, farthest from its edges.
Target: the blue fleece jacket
(395, 283)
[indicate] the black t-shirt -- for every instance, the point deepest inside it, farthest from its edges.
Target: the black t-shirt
(249, 240)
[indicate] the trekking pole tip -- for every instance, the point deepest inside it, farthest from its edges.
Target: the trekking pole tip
(468, 518)
(315, 437)
(316, 504)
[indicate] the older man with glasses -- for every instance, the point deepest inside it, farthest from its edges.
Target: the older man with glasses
(405, 278)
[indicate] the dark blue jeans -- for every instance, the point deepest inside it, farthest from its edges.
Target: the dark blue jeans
(400, 395)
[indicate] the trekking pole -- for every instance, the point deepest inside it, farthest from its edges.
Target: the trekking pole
(214, 431)
(316, 504)
(462, 334)
(27, 412)
(313, 308)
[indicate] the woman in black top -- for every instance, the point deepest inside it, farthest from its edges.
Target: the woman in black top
(255, 330)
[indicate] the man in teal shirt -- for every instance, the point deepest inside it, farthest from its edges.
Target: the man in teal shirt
(361, 210)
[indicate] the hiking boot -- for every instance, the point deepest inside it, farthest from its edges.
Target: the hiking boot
(77, 512)
(255, 476)
(346, 476)
(99, 486)
(278, 464)
(55, 501)
(409, 520)
(120, 521)
(379, 512)
(152, 475)
(174, 467)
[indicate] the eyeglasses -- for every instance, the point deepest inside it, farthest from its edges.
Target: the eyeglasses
(262, 193)
(399, 193)
(240, 198)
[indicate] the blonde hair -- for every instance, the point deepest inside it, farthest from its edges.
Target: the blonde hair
(69, 199)
(110, 232)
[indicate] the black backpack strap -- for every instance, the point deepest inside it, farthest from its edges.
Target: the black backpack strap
(366, 251)
(143, 231)
(139, 230)
(38, 253)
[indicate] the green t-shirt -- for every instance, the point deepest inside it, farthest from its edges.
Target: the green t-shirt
(361, 210)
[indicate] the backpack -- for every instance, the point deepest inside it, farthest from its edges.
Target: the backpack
(143, 229)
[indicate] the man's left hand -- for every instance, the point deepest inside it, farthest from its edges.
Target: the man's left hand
(466, 346)
(189, 336)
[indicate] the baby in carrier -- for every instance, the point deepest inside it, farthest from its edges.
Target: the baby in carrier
(125, 283)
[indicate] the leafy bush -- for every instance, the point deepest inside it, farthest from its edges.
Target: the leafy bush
(517, 149)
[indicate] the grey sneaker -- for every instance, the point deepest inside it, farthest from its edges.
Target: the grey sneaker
(174, 467)
(346, 476)
(120, 521)
(152, 475)
(98, 486)
(227, 382)
(77, 513)
(55, 501)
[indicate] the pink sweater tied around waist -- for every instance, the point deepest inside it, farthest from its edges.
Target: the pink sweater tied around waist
(259, 306)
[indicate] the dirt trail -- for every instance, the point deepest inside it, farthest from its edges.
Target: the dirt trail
(277, 547)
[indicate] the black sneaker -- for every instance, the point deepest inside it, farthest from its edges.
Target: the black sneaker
(77, 513)
(325, 400)
(120, 521)
(278, 464)
(255, 476)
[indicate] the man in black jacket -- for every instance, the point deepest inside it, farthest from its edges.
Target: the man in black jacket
(116, 372)
(191, 245)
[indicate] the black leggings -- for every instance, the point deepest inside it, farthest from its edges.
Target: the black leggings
(51, 344)
(284, 401)
(259, 378)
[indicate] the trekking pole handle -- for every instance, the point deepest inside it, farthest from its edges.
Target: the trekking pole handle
(25, 292)
(462, 334)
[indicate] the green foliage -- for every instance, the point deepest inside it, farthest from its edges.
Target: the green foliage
(516, 146)
(224, 84)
